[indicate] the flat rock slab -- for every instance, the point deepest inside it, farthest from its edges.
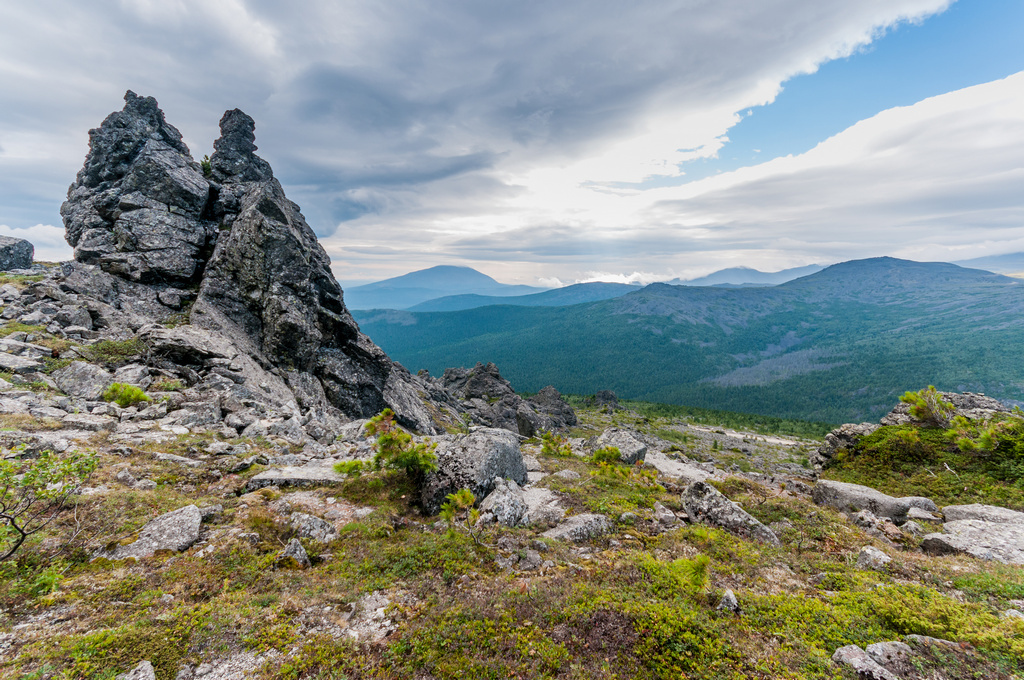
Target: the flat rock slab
(89, 422)
(15, 364)
(985, 513)
(543, 505)
(175, 531)
(317, 473)
(997, 541)
(676, 469)
(580, 528)
(854, 498)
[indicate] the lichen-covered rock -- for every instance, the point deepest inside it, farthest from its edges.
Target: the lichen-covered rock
(175, 531)
(872, 558)
(853, 498)
(473, 462)
(997, 541)
(504, 505)
(861, 663)
(984, 513)
(490, 399)
(706, 504)
(15, 253)
(308, 526)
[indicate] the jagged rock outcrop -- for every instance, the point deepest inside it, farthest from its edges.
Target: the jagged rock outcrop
(706, 504)
(491, 401)
(473, 462)
(158, 237)
(968, 404)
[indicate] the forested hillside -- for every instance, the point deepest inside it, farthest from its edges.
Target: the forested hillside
(836, 346)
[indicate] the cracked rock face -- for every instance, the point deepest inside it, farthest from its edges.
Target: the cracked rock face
(156, 234)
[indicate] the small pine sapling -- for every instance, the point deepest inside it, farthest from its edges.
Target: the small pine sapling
(396, 450)
(552, 444)
(929, 407)
(34, 491)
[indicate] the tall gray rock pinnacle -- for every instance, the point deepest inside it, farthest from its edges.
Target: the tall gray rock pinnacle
(136, 207)
(230, 248)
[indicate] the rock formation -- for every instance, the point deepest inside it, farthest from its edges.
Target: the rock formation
(158, 237)
(15, 253)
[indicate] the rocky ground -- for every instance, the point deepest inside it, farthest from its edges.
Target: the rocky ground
(195, 552)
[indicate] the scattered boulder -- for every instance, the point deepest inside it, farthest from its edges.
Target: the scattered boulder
(15, 253)
(543, 506)
(706, 504)
(580, 528)
(473, 462)
(872, 558)
(293, 556)
(890, 652)
(308, 526)
(144, 671)
(174, 531)
(729, 602)
(631, 449)
(983, 513)
(315, 473)
(921, 503)
(853, 498)
(842, 438)
(505, 504)
(861, 663)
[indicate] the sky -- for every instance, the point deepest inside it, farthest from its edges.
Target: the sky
(553, 142)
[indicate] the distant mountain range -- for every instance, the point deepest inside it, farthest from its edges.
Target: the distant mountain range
(745, 276)
(839, 345)
(402, 292)
(556, 297)
(1011, 263)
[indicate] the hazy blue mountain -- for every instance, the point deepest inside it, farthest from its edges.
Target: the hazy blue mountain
(1011, 263)
(738, 276)
(840, 345)
(557, 297)
(402, 292)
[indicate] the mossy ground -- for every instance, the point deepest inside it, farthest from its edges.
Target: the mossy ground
(638, 603)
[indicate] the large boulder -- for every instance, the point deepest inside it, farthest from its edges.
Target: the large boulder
(473, 462)
(853, 498)
(505, 504)
(706, 504)
(15, 253)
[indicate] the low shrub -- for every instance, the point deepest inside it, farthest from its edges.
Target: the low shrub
(125, 395)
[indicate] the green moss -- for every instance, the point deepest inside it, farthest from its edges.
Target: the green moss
(116, 352)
